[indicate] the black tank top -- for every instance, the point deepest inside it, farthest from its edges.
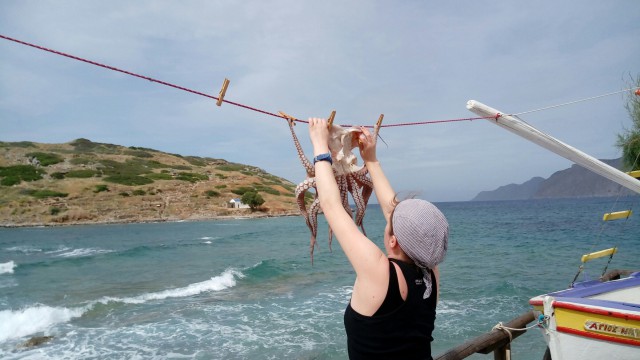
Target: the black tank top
(399, 329)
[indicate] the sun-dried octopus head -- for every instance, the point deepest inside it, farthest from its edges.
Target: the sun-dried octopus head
(341, 143)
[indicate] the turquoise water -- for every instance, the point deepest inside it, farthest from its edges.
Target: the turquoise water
(245, 289)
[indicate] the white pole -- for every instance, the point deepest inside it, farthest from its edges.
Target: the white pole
(550, 143)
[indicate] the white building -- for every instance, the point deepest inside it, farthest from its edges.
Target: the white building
(237, 204)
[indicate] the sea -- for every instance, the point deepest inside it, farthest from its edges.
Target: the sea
(246, 288)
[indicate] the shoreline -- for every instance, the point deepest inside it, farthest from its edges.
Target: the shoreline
(248, 216)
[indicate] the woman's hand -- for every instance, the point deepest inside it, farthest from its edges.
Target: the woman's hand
(319, 135)
(367, 144)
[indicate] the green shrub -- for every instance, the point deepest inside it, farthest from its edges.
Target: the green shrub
(17, 173)
(57, 175)
(211, 193)
(242, 190)
(44, 193)
(142, 148)
(124, 194)
(191, 177)
(197, 161)
(81, 144)
(81, 174)
(131, 180)
(85, 145)
(268, 190)
(159, 176)
(221, 176)
(273, 178)
(133, 166)
(138, 153)
(46, 159)
(54, 210)
(253, 199)
(101, 188)
(10, 181)
(231, 167)
(139, 192)
(221, 186)
(112, 167)
(21, 144)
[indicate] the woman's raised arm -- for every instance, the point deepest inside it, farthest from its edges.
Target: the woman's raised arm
(384, 192)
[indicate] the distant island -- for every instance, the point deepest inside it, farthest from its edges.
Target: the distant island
(85, 182)
(574, 182)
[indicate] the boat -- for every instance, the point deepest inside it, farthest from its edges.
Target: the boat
(592, 319)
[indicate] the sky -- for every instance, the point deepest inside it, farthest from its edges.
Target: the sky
(413, 61)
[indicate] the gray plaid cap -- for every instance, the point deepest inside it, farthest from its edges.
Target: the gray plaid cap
(422, 232)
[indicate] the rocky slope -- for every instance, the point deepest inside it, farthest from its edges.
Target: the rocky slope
(87, 182)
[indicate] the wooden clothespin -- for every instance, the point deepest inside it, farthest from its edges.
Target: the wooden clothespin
(378, 124)
(223, 91)
(289, 118)
(331, 117)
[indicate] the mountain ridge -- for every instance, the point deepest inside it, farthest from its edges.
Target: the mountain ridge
(573, 182)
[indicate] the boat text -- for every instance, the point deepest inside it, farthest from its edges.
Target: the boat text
(611, 329)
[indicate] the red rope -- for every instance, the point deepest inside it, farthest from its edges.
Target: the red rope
(210, 96)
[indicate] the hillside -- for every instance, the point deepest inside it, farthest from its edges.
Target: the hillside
(88, 182)
(574, 182)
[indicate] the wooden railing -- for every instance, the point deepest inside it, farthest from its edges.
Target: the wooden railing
(496, 341)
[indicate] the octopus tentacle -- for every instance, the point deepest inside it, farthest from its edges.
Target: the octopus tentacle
(313, 221)
(343, 186)
(300, 193)
(365, 182)
(350, 178)
(303, 158)
(361, 177)
(361, 206)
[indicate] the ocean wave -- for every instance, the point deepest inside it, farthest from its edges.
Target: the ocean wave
(7, 268)
(217, 283)
(19, 323)
(25, 249)
(83, 252)
(60, 249)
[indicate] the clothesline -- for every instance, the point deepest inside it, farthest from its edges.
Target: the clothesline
(130, 73)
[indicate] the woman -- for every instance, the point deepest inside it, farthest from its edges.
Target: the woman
(392, 309)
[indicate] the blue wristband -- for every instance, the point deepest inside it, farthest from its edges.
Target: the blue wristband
(323, 157)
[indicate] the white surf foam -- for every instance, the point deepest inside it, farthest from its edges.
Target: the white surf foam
(23, 249)
(83, 252)
(7, 268)
(223, 281)
(60, 249)
(19, 323)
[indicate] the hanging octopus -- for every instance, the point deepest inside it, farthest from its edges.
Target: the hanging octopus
(351, 179)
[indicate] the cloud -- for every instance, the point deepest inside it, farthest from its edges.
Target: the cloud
(413, 61)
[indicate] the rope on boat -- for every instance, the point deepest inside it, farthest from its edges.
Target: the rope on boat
(221, 99)
(500, 326)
